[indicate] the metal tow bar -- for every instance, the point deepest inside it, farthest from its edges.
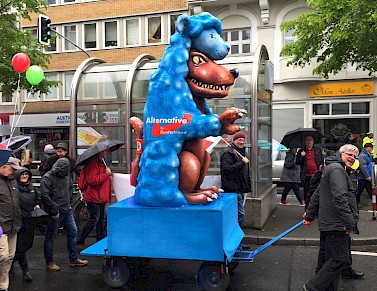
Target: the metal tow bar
(248, 256)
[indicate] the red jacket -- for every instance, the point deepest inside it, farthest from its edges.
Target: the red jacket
(99, 183)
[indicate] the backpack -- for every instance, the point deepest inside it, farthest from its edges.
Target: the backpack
(82, 184)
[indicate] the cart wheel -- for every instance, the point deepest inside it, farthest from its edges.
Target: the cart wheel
(115, 272)
(212, 276)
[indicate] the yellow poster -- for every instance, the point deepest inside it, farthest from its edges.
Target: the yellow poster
(87, 137)
(341, 89)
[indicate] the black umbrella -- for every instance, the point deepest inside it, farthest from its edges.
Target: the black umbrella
(90, 152)
(296, 138)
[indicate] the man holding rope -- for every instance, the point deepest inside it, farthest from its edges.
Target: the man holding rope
(235, 174)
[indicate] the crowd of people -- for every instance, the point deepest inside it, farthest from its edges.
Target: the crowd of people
(23, 208)
(330, 196)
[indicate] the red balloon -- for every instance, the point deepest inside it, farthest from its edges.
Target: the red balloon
(20, 62)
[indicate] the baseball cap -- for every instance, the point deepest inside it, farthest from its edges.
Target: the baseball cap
(15, 163)
(368, 145)
(62, 145)
(368, 133)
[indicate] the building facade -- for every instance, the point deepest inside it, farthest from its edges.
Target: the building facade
(119, 31)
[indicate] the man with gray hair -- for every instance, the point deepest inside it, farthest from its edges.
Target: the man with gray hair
(335, 203)
(10, 218)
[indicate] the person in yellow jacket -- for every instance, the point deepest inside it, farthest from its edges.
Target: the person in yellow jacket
(369, 139)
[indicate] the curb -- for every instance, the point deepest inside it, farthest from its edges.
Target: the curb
(293, 241)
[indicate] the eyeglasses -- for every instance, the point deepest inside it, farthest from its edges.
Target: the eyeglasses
(351, 155)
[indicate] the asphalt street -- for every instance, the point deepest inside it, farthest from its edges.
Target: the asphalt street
(280, 268)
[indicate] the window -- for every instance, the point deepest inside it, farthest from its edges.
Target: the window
(132, 32)
(111, 34)
(90, 35)
(173, 19)
(53, 94)
(51, 2)
(69, 1)
(288, 37)
(337, 121)
(154, 29)
(67, 85)
(5, 98)
(239, 40)
(70, 33)
(33, 96)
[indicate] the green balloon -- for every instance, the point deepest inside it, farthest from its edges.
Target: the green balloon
(34, 75)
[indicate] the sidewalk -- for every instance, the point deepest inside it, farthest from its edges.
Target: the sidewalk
(286, 216)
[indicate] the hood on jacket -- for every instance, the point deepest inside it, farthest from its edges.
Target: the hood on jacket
(50, 152)
(337, 158)
(18, 173)
(61, 167)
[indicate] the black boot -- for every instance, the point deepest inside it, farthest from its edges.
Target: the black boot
(27, 277)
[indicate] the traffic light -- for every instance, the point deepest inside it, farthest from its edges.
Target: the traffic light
(44, 30)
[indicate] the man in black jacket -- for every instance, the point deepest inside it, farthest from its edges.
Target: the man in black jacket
(311, 160)
(235, 177)
(10, 218)
(337, 217)
(61, 152)
(56, 196)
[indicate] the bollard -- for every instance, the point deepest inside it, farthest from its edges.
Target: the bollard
(374, 203)
(374, 169)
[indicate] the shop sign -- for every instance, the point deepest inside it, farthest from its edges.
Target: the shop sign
(341, 89)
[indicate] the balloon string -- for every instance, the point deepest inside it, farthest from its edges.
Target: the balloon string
(16, 102)
(19, 116)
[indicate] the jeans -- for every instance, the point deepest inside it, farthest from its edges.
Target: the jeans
(337, 257)
(96, 219)
(241, 198)
(52, 231)
(7, 250)
(296, 189)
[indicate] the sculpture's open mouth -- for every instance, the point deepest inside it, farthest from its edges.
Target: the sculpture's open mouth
(206, 78)
(210, 86)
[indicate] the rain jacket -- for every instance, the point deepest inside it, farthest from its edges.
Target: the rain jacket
(366, 166)
(291, 171)
(10, 213)
(334, 200)
(235, 175)
(28, 196)
(56, 188)
(99, 183)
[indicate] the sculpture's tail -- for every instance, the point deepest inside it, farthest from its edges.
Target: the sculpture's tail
(137, 126)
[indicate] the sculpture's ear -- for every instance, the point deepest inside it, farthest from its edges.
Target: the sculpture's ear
(182, 23)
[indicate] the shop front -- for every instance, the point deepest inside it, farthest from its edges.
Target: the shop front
(43, 129)
(341, 111)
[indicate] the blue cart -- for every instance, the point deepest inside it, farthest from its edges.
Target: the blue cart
(208, 233)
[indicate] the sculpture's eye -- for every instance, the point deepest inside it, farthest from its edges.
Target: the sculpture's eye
(212, 35)
(197, 60)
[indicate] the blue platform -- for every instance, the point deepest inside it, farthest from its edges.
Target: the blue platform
(193, 232)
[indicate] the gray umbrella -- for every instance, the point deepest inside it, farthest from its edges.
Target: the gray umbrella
(110, 145)
(296, 138)
(5, 130)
